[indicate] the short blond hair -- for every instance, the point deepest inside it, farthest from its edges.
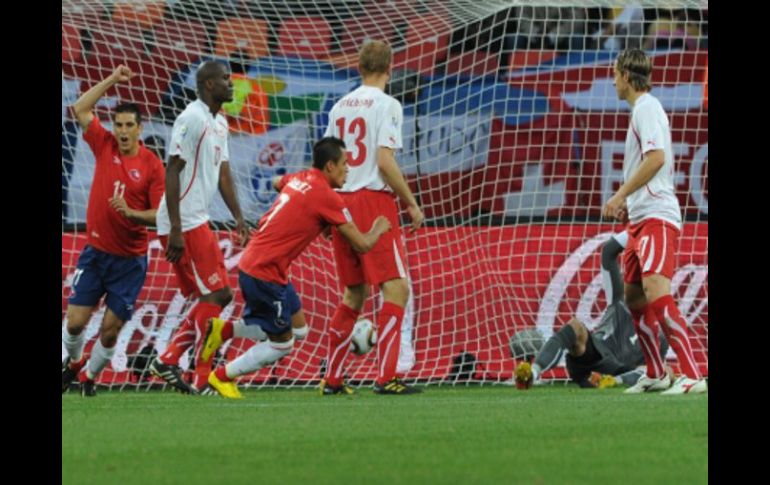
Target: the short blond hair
(374, 58)
(638, 65)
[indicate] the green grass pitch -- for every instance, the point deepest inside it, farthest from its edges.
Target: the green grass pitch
(491, 434)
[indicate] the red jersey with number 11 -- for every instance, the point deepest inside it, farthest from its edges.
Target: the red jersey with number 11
(140, 180)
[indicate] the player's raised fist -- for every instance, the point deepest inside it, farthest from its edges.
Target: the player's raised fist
(121, 74)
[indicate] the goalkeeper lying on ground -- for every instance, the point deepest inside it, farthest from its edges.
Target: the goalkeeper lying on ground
(606, 357)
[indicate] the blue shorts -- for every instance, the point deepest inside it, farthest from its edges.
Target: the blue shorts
(121, 278)
(268, 305)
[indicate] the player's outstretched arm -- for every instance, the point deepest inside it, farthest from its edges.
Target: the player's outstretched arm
(392, 175)
(83, 107)
(613, 281)
(229, 195)
(363, 243)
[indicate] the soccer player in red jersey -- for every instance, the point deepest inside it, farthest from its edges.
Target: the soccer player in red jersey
(125, 192)
(306, 205)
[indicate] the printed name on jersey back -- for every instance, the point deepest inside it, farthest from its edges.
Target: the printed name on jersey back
(299, 185)
(355, 102)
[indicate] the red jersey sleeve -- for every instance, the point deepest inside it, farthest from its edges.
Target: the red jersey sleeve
(284, 180)
(332, 209)
(97, 137)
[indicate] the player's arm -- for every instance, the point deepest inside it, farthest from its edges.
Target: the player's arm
(229, 195)
(175, 240)
(363, 243)
(392, 175)
(277, 185)
(652, 162)
(613, 282)
(145, 217)
(83, 107)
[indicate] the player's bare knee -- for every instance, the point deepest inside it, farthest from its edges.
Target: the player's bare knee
(110, 329)
(223, 297)
(109, 340)
(580, 330)
(298, 319)
(75, 327)
(634, 296)
(77, 319)
(656, 286)
(108, 337)
(299, 326)
(283, 343)
(355, 296)
(282, 337)
(396, 291)
(577, 350)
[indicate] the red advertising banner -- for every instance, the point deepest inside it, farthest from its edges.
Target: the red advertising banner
(473, 288)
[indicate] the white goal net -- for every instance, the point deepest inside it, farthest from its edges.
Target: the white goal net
(513, 140)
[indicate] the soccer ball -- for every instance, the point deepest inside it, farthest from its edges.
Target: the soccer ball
(364, 337)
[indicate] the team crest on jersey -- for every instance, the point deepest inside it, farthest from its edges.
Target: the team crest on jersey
(214, 279)
(135, 174)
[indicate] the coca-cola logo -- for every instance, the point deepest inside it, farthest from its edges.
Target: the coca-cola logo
(692, 298)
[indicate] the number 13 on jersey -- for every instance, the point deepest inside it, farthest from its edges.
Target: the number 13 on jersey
(357, 128)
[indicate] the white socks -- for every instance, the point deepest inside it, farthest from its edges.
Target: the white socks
(99, 358)
(253, 332)
(257, 357)
(73, 344)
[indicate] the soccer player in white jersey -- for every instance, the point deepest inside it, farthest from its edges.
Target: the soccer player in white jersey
(197, 168)
(369, 121)
(647, 199)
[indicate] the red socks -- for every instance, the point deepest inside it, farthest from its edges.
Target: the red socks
(221, 374)
(340, 333)
(646, 326)
(192, 328)
(388, 341)
(183, 338)
(675, 329)
(202, 313)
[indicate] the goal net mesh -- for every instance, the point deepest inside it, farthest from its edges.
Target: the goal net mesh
(513, 140)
